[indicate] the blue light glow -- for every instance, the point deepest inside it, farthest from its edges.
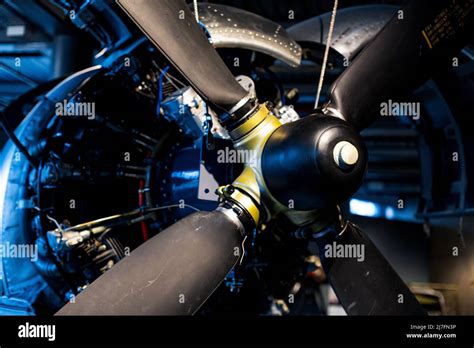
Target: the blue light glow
(389, 213)
(363, 208)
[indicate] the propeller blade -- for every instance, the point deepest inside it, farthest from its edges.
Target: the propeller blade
(173, 29)
(367, 285)
(420, 39)
(171, 274)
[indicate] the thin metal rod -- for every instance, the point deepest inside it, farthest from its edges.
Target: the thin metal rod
(326, 53)
(196, 12)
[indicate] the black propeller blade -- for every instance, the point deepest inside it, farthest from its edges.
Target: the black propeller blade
(367, 285)
(171, 26)
(171, 274)
(418, 41)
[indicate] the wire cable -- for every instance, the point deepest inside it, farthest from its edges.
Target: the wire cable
(173, 206)
(196, 12)
(326, 53)
(160, 90)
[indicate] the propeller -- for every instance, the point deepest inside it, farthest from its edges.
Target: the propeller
(192, 257)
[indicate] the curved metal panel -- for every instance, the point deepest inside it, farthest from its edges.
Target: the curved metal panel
(18, 276)
(354, 28)
(232, 27)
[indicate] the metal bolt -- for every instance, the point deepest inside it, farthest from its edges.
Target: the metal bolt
(345, 154)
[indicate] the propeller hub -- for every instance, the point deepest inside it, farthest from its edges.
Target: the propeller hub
(316, 162)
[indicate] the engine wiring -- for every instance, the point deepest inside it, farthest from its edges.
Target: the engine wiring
(141, 203)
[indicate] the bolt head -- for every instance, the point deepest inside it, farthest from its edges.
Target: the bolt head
(345, 154)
